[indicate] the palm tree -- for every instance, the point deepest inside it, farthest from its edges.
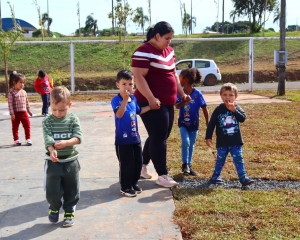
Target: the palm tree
(140, 18)
(233, 14)
(91, 24)
(46, 18)
(188, 21)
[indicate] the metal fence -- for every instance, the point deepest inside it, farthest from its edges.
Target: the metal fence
(251, 59)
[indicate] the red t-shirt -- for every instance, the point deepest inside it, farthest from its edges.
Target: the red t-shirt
(43, 86)
(160, 77)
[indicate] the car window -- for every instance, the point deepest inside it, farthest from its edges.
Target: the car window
(202, 64)
(183, 65)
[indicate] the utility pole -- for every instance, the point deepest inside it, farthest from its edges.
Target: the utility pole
(78, 14)
(191, 17)
(48, 19)
(112, 19)
(223, 19)
(0, 17)
(282, 51)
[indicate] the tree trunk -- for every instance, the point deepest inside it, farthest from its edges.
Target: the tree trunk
(6, 76)
(281, 80)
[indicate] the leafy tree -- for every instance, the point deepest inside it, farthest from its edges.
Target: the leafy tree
(91, 24)
(46, 18)
(140, 18)
(41, 23)
(233, 15)
(7, 41)
(122, 15)
(254, 9)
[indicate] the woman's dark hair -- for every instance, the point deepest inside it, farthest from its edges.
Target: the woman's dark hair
(162, 28)
(192, 74)
(41, 74)
(14, 77)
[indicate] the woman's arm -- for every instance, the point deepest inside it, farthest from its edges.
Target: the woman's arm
(142, 85)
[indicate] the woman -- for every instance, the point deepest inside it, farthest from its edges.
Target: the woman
(157, 86)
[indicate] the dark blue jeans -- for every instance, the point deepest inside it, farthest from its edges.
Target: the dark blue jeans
(46, 103)
(158, 124)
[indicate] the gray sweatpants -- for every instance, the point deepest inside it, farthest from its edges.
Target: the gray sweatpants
(62, 183)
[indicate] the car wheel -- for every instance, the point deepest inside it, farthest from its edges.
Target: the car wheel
(210, 80)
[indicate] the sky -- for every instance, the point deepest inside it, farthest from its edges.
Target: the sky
(65, 19)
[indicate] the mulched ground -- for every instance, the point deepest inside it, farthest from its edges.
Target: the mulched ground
(259, 184)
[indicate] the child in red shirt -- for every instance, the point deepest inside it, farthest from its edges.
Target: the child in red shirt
(43, 86)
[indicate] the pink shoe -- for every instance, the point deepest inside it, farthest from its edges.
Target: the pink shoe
(166, 181)
(145, 173)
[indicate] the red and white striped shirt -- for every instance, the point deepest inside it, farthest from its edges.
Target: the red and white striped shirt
(17, 101)
(160, 77)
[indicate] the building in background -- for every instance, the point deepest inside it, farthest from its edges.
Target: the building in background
(28, 29)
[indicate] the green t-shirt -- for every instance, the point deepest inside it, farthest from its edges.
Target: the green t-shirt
(56, 129)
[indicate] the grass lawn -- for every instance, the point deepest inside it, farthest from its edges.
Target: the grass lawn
(271, 151)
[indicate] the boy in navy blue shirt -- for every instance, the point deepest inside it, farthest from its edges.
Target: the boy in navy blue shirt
(127, 138)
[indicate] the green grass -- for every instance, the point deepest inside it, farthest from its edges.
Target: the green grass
(271, 151)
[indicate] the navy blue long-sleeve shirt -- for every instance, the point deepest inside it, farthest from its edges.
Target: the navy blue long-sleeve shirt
(227, 126)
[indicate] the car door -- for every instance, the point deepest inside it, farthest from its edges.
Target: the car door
(182, 65)
(204, 67)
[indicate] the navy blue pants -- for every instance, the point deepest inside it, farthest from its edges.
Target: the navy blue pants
(158, 124)
(46, 103)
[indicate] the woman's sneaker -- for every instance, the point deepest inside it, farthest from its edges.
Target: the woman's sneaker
(137, 189)
(166, 181)
(17, 143)
(53, 216)
(68, 219)
(145, 173)
(128, 192)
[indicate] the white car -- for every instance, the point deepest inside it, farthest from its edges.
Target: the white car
(208, 68)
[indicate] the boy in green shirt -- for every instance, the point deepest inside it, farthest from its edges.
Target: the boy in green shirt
(62, 132)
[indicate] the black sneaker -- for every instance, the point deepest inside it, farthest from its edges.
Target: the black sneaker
(192, 172)
(53, 216)
(137, 188)
(128, 192)
(185, 169)
(68, 219)
(246, 181)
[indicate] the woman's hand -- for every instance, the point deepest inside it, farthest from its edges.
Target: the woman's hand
(186, 98)
(154, 103)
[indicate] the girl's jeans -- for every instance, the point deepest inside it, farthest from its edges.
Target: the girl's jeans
(188, 140)
(237, 155)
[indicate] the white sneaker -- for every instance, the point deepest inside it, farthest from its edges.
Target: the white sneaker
(28, 142)
(166, 181)
(145, 173)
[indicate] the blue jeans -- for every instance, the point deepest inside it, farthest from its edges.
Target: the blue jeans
(46, 103)
(188, 140)
(238, 160)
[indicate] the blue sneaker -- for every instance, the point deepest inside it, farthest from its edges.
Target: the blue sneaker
(53, 216)
(246, 181)
(68, 219)
(217, 180)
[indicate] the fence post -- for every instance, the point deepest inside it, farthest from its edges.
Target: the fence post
(72, 67)
(251, 58)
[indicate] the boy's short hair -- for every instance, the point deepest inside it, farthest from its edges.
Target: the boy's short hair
(60, 94)
(124, 74)
(229, 87)
(41, 74)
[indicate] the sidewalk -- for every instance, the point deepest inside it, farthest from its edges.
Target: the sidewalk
(102, 213)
